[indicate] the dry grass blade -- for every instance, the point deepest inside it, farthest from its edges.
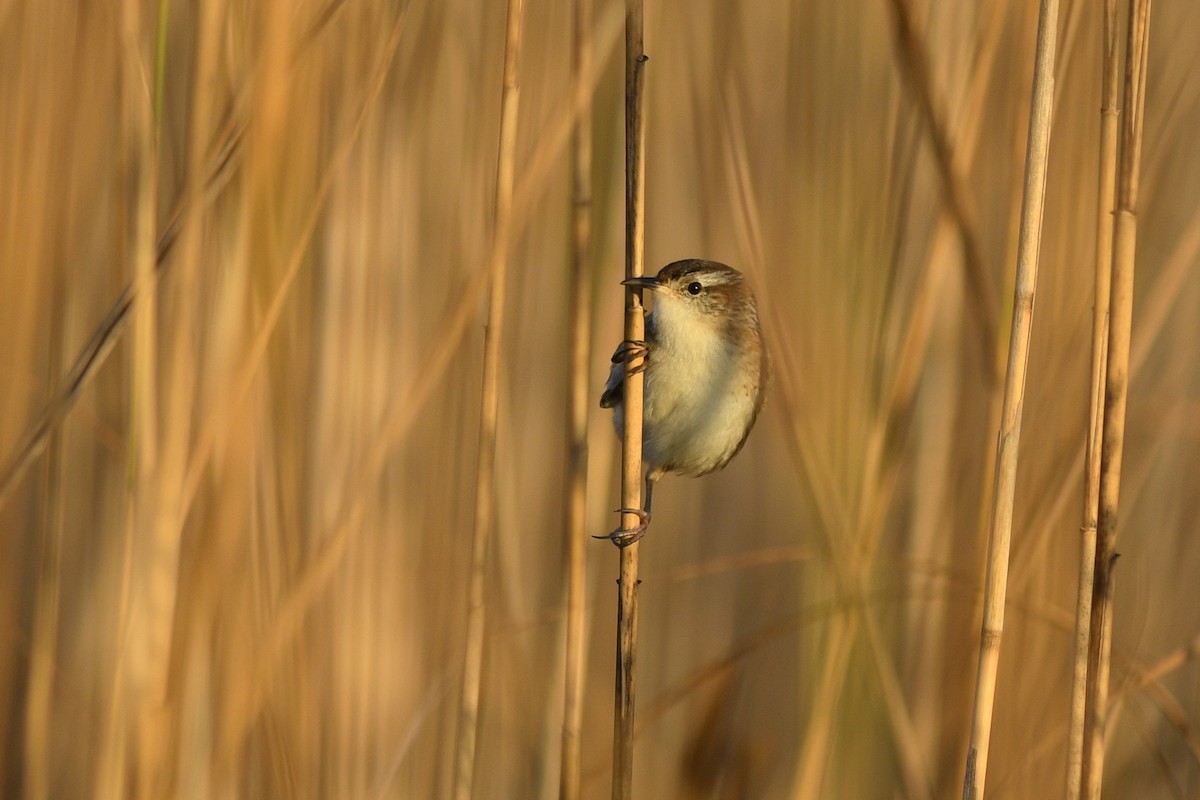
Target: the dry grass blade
(399, 418)
(1116, 391)
(1091, 493)
(225, 153)
(99, 345)
(249, 695)
(953, 150)
(320, 569)
(468, 720)
(207, 436)
(1008, 441)
(953, 185)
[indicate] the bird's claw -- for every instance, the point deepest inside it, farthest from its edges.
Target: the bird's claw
(623, 537)
(632, 350)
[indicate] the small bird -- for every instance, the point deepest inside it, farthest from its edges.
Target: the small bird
(705, 370)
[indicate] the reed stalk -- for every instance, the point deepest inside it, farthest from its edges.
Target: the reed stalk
(631, 445)
(579, 355)
(1109, 115)
(1116, 391)
(485, 479)
(1008, 442)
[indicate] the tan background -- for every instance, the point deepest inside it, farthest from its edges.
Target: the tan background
(238, 568)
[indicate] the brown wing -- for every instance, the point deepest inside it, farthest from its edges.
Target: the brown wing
(612, 388)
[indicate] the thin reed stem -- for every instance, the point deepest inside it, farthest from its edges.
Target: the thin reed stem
(1008, 442)
(631, 445)
(468, 719)
(1116, 391)
(579, 354)
(1109, 115)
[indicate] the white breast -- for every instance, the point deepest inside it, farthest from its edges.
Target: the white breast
(699, 398)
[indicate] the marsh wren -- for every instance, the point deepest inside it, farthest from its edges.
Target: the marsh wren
(705, 370)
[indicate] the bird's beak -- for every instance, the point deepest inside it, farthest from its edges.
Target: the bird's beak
(645, 282)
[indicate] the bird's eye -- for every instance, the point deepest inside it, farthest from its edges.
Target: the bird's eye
(694, 287)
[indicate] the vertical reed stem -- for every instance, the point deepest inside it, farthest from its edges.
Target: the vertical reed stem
(577, 408)
(1116, 390)
(1109, 115)
(1000, 535)
(631, 453)
(468, 721)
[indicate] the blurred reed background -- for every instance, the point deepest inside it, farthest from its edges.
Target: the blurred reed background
(238, 568)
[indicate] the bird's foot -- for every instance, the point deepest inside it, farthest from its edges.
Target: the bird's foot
(623, 537)
(632, 350)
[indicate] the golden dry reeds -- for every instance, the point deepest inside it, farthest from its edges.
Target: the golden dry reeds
(244, 274)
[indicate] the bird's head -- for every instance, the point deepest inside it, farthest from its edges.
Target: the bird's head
(698, 292)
